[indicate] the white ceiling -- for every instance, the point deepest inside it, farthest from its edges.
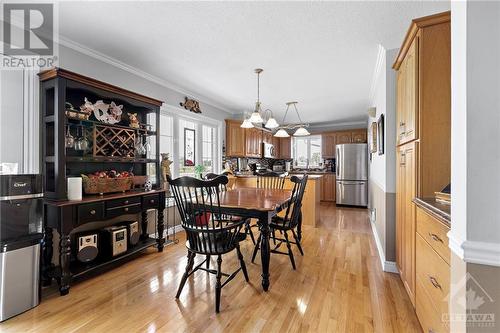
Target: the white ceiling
(321, 54)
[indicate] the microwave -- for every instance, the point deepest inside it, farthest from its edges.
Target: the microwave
(268, 150)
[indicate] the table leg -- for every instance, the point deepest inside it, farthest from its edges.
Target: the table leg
(64, 257)
(265, 250)
(160, 226)
(47, 256)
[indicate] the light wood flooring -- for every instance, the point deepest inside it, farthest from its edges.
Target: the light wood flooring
(338, 287)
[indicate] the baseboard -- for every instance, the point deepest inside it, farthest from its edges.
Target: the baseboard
(387, 266)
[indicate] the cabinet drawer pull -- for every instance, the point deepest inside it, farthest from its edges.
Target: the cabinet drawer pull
(435, 237)
(125, 209)
(92, 212)
(434, 282)
(152, 201)
(125, 202)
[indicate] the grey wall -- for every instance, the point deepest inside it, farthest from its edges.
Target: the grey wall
(382, 168)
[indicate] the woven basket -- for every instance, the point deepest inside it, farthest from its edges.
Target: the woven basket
(96, 185)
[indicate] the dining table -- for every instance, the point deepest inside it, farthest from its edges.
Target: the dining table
(261, 204)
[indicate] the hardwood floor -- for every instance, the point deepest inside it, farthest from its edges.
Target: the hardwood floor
(338, 287)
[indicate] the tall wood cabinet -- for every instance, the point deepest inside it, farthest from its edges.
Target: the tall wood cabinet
(235, 138)
(405, 215)
(423, 113)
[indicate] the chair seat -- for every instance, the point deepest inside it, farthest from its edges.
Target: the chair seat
(216, 243)
(278, 223)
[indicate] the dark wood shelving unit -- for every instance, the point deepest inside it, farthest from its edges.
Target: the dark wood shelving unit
(90, 159)
(111, 147)
(79, 269)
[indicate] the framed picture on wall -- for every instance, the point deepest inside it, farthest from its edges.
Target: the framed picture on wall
(373, 137)
(189, 146)
(380, 135)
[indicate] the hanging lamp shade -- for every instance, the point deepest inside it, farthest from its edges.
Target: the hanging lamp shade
(256, 118)
(246, 124)
(281, 133)
(271, 123)
(301, 131)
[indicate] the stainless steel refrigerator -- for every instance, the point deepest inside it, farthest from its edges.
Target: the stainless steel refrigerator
(352, 174)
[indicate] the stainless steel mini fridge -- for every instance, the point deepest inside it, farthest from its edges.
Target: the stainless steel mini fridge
(21, 214)
(352, 174)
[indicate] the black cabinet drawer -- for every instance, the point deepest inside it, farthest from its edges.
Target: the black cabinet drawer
(122, 202)
(150, 201)
(90, 212)
(129, 209)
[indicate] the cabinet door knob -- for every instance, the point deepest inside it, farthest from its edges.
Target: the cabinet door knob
(125, 202)
(92, 212)
(152, 201)
(125, 209)
(435, 237)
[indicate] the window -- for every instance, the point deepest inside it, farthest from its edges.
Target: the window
(306, 151)
(208, 147)
(204, 149)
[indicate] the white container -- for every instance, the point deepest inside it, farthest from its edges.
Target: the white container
(288, 166)
(74, 188)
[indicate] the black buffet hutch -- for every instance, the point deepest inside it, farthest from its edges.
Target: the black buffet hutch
(108, 147)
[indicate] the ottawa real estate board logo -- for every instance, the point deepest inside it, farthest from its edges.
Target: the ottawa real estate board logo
(28, 35)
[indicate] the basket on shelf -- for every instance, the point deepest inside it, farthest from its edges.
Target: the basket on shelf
(97, 185)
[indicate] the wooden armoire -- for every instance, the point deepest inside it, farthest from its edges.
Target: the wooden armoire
(423, 129)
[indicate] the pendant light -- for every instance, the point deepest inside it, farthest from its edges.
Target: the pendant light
(246, 124)
(271, 123)
(300, 129)
(256, 117)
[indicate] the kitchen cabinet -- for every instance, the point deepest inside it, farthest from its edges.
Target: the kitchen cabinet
(235, 139)
(285, 148)
(358, 136)
(276, 144)
(423, 115)
(253, 140)
(328, 145)
(405, 215)
(328, 187)
(267, 137)
(432, 271)
(407, 95)
(343, 137)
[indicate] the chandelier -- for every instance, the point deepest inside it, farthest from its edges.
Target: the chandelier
(300, 128)
(256, 116)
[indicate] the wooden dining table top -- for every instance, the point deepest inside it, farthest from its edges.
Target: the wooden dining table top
(255, 198)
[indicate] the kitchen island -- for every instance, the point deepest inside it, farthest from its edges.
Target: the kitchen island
(310, 202)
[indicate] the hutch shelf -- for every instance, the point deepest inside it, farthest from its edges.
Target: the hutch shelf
(123, 146)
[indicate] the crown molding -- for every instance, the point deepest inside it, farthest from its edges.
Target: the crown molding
(333, 125)
(135, 71)
(381, 55)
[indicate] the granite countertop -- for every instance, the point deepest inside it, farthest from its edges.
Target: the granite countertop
(435, 208)
(311, 176)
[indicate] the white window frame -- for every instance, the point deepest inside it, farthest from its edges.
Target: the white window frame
(294, 149)
(177, 113)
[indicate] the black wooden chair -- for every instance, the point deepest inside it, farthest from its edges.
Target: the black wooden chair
(271, 180)
(207, 231)
(223, 188)
(289, 222)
